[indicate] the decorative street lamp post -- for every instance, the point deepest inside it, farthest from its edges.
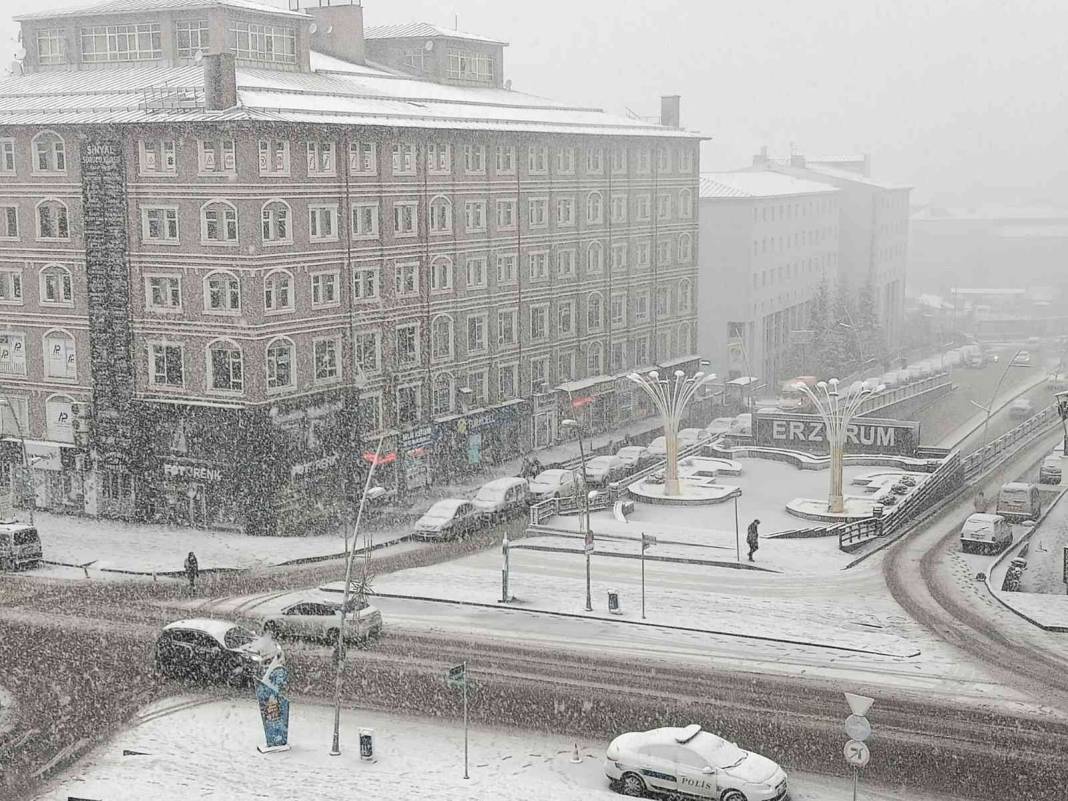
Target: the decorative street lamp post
(670, 397)
(837, 409)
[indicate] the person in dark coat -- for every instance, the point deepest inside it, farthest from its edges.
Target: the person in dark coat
(192, 570)
(752, 537)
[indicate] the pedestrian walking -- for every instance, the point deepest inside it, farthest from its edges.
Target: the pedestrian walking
(192, 570)
(752, 537)
(980, 502)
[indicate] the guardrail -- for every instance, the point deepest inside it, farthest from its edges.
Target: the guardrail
(1005, 445)
(895, 395)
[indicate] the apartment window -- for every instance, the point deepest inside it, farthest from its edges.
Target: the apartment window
(641, 309)
(641, 351)
(441, 338)
(619, 309)
(363, 158)
(163, 292)
(663, 207)
(325, 355)
(565, 318)
(619, 208)
(159, 224)
(685, 204)
(56, 286)
(403, 159)
(272, 43)
(440, 215)
(414, 59)
(9, 222)
(365, 221)
(12, 354)
(60, 355)
(218, 223)
(619, 160)
(508, 381)
(325, 289)
(222, 293)
(538, 262)
(441, 274)
(565, 211)
(537, 159)
(539, 322)
(595, 259)
(565, 263)
(404, 217)
(475, 214)
(565, 366)
(7, 156)
(191, 38)
(280, 365)
(476, 272)
(406, 278)
(217, 156)
(104, 43)
(645, 161)
(408, 344)
(565, 161)
(595, 160)
(167, 367)
(594, 208)
(619, 257)
(663, 253)
(505, 214)
(365, 283)
(619, 356)
(644, 252)
(408, 405)
(538, 212)
(663, 159)
(506, 327)
(539, 372)
(441, 398)
(322, 222)
(368, 351)
(438, 158)
(686, 160)
(594, 364)
(506, 268)
(10, 286)
(226, 367)
(594, 312)
(505, 160)
(663, 345)
(685, 297)
(475, 159)
(51, 47)
(52, 220)
(642, 208)
(158, 157)
(278, 291)
(685, 248)
(476, 333)
(274, 156)
(321, 159)
(663, 303)
(274, 219)
(471, 66)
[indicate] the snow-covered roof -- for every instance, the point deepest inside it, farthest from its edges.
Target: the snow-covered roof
(762, 184)
(113, 7)
(843, 174)
(423, 30)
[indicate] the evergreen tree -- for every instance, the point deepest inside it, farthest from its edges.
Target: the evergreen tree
(868, 327)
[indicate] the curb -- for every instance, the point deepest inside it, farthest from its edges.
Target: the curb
(681, 560)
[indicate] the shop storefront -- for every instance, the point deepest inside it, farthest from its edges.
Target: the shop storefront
(545, 420)
(416, 447)
(464, 444)
(592, 402)
(199, 494)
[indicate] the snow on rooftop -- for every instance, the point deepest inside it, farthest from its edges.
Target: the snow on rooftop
(143, 6)
(422, 30)
(762, 184)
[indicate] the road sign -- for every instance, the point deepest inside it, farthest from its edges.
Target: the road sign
(589, 542)
(856, 753)
(649, 540)
(859, 704)
(457, 675)
(858, 728)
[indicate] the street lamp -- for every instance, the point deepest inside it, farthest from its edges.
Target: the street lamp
(671, 398)
(586, 497)
(836, 409)
(6, 401)
(989, 408)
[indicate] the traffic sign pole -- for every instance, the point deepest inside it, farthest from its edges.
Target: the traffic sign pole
(858, 729)
(465, 725)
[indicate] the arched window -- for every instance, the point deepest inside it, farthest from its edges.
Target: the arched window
(56, 287)
(663, 302)
(52, 219)
(222, 293)
(441, 396)
(60, 357)
(594, 359)
(684, 343)
(685, 248)
(686, 204)
(441, 338)
(595, 258)
(275, 217)
(441, 274)
(685, 296)
(226, 367)
(594, 207)
(59, 418)
(440, 215)
(594, 311)
(49, 153)
(278, 291)
(218, 222)
(280, 368)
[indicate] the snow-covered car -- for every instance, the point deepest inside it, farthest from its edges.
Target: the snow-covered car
(689, 437)
(635, 457)
(1021, 407)
(721, 425)
(1022, 357)
(985, 533)
(742, 425)
(604, 469)
(209, 649)
(447, 519)
(1050, 471)
(20, 546)
(503, 497)
(320, 619)
(556, 483)
(658, 447)
(693, 762)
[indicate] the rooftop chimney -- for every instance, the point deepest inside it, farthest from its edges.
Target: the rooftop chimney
(338, 30)
(220, 81)
(669, 111)
(761, 158)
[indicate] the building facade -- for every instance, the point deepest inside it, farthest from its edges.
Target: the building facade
(233, 265)
(767, 240)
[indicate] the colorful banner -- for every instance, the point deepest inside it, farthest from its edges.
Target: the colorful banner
(274, 706)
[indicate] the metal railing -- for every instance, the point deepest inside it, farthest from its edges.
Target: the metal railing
(1008, 443)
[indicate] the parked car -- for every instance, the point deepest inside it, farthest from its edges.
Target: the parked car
(1021, 407)
(1022, 357)
(604, 469)
(20, 546)
(658, 447)
(691, 762)
(212, 650)
(503, 497)
(320, 618)
(1019, 501)
(448, 519)
(1050, 471)
(557, 483)
(721, 425)
(985, 533)
(635, 457)
(689, 437)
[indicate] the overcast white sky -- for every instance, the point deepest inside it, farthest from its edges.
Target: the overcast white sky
(963, 99)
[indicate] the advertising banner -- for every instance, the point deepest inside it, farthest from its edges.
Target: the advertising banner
(274, 707)
(864, 434)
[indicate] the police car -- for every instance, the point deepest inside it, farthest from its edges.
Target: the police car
(691, 762)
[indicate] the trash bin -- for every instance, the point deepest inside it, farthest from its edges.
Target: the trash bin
(367, 745)
(613, 602)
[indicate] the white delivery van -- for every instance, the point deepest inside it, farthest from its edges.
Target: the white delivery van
(20, 546)
(984, 533)
(1019, 501)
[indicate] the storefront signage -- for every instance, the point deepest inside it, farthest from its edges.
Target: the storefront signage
(301, 470)
(864, 435)
(43, 456)
(192, 472)
(578, 403)
(310, 413)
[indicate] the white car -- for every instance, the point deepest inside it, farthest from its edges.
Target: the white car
(721, 425)
(603, 469)
(557, 483)
(1022, 357)
(692, 762)
(320, 619)
(658, 447)
(448, 518)
(689, 437)
(1021, 407)
(635, 457)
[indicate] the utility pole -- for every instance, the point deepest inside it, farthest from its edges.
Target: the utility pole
(647, 540)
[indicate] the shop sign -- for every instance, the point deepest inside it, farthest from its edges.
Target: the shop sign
(192, 472)
(43, 456)
(316, 466)
(414, 446)
(866, 435)
(581, 402)
(307, 413)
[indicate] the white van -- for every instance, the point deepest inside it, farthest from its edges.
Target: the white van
(743, 425)
(20, 546)
(1019, 501)
(503, 497)
(984, 533)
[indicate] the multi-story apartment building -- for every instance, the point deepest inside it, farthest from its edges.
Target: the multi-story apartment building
(766, 242)
(235, 256)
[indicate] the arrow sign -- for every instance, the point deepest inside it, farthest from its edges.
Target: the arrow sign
(856, 753)
(859, 704)
(857, 728)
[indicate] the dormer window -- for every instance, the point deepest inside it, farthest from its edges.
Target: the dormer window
(192, 36)
(465, 65)
(102, 44)
(51, 47)
(273, 43)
